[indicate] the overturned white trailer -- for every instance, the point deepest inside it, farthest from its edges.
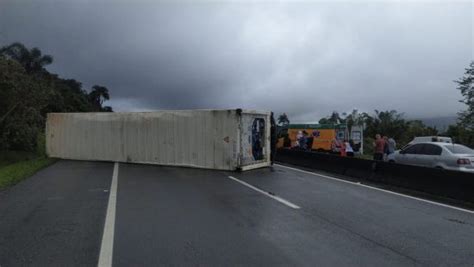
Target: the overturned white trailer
(213, 139)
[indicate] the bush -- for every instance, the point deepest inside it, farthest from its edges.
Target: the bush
(41, 145)
(368, 146)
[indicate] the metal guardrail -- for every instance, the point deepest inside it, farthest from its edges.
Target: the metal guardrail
(451, 184)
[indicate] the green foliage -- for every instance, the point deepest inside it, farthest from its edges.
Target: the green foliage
(68, 96)
(32, 60)
(461, 135)
(392, 124)
(334, 118)
(98, 96)
(283, 120)
(13, 173)
(41, 145)
(355, 118)
(465, 85)
(10, 157)
(368, 145)
(389, 123)
(417, 128)
(28, 92)
(463, 131)
(22, 97)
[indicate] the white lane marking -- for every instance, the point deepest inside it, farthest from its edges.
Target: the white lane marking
(378, 189)
(277, 198)
(107, 246)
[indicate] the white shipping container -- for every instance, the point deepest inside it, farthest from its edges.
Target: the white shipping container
(211, 139)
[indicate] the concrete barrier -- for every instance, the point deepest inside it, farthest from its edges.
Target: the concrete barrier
(451, 184)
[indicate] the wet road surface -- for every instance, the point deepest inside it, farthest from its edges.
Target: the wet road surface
(181, 216)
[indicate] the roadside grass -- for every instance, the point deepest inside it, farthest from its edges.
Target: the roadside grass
(13, 173)
(9, 157)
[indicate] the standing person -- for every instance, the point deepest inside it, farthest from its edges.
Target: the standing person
(392, 145)
(379, 145)
(336, 146)
(299, 135)
(385, 148)
(333, 146)
(273, 138)
(349, 149)
(342, 150)
(309, 142)
(301, 140)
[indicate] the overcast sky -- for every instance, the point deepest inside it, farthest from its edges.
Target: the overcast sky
(305, 58)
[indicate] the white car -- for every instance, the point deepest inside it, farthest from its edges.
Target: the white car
(440, 155)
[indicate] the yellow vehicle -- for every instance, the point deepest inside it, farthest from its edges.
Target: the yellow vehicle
(321, 137)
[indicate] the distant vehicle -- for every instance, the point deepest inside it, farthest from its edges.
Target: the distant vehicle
(322, 137)
(422, 139)
(440, 155)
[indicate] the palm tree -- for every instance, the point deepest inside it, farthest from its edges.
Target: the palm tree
(32, 60)
(355, 118)
(334, 118)
(283, 119)
(98, 96)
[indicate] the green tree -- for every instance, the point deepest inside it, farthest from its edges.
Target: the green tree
(354, 118)
(461, 135)
(28, 92)
(334, 118)
(70, 97)
(32, 60)
(98, 96)
(22, 97)
(417, 128)
(283, 120)
(465, 85)
(463, 131)
(390, 123)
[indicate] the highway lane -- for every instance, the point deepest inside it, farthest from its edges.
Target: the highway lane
(55, 217)
(182, 216)
(200, 217)
(173, 216)
(421, 232)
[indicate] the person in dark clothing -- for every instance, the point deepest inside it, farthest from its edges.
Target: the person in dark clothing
(303, 141)
(273, 138)
(309, 143)
(385, 148)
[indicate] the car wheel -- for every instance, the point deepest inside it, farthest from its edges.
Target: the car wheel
(391, 161)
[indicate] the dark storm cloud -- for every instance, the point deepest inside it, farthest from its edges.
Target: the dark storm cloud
(303, 58)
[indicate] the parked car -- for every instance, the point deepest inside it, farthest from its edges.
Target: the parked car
(440, 155)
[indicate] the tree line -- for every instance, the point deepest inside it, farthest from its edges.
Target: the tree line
(393, 124)
(28, 91)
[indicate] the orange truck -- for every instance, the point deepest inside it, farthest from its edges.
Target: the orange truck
(324, 137)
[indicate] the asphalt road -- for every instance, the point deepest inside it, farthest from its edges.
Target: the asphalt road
(56, 217)
(178, 216)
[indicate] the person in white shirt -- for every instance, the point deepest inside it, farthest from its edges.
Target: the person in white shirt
(392, 145)
(349, 150)
(299, 135)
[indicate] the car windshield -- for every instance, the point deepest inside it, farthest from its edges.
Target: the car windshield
(460, 149)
